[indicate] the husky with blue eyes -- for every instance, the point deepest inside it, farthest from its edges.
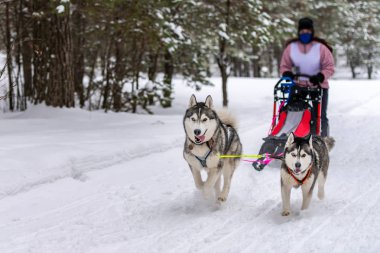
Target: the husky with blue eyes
(306, 161)
(208, 135)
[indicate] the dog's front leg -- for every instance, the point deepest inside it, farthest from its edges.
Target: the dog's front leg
(213, 175)
(227, 175)
(285, 194)
(321, 185)
(217, 186)
(307, 193)
(197, 178)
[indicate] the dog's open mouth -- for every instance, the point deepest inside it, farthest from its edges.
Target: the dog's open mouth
(199, 139)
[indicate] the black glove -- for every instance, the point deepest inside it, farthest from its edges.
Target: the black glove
(288, 74)
(317, 79)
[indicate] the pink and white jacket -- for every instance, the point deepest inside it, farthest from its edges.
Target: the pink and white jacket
(311, 58)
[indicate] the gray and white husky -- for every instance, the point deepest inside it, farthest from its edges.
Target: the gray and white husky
(208, 135)
(306, 160)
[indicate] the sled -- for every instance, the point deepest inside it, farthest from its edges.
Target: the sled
(293, 111)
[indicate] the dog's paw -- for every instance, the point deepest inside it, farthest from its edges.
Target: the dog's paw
(285, 213)
(222, 198)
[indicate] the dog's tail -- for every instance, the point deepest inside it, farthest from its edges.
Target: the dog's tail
(227, 118)
(330, 142)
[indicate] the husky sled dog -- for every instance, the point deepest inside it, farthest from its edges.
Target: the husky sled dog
(208, 135)
(306, 160)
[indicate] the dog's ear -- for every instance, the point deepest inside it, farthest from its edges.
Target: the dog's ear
(209, 103)
(193, 101)
(290, 140)
(311, 141)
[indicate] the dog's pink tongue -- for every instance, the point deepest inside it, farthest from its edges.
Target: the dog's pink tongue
(201, 138)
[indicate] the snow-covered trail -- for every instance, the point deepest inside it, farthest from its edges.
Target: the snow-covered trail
(148, 203)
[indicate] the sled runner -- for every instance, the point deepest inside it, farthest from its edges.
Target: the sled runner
(297, 109)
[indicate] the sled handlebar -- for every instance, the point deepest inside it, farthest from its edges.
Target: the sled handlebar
(290, 82)
(302, 75)
(289, 79)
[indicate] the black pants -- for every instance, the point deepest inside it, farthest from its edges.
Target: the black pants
(324, 120)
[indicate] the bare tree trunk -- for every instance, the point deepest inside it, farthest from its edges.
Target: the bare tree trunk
(222, 64)
(107, 88)
(257, 68)
(224, 86)
(120, 67)
(9, 57)
(91, 79)
(240, 70)
(152, 73)
(246, 69)
(168, 76)
(234, 66)
(152, 68)
(60, 90)
(41, 32)
(369, 66)
(26, 52)
(352, 66)
(369, 71)
(256, 62)
(222, 57)
(67, 74)
(18, 83)
(78, 42)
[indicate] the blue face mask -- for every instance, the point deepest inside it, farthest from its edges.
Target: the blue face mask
(305, 38)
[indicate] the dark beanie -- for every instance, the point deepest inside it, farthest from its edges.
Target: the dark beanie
(305, 23)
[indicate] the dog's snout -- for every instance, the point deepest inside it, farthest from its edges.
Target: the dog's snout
(197, 131)
(298, 164)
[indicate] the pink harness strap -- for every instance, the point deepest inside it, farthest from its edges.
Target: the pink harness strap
(268, 159)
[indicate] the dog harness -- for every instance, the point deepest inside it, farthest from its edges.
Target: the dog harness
(300, 182)
(203, 159)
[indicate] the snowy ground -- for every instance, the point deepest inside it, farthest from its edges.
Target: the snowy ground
(78, 181)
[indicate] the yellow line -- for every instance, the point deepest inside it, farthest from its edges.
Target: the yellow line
(241, 156)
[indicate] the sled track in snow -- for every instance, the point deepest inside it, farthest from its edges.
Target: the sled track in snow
(77, 167)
